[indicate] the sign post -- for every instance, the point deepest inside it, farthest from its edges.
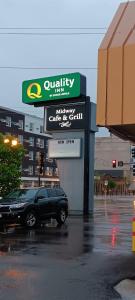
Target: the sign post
(70, 118)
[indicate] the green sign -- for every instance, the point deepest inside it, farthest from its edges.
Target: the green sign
(53, 88)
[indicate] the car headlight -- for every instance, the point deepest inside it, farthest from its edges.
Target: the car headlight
(18, 205)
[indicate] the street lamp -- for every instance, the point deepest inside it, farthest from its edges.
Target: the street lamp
(6, 141)
(13, 141)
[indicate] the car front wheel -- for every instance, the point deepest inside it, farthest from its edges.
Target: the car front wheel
(30, 219)
(61, 216)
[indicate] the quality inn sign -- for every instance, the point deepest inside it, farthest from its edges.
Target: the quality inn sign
(53, 88)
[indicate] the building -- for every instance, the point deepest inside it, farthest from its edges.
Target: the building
(108, 149)
(29, 131)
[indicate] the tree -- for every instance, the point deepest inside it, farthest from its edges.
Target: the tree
(10, 165)
(111, 184)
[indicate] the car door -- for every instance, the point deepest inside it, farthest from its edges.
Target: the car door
(42, 203)
(52, 198)
(61, 199)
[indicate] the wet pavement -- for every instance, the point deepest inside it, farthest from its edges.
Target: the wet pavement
(81, 260)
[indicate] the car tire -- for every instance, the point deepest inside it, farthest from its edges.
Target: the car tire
(30, 220)
(61, 216)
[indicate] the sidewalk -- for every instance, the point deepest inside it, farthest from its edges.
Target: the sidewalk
(111, 197)
(126, 288)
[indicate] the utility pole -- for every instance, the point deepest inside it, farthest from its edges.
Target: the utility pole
(39, 177)
(41, 167)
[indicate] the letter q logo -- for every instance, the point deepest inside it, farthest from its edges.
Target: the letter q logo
(34, 90)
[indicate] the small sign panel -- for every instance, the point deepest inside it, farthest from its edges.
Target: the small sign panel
(65, 117)
(66, 148)
(53, 88)
(120, 163)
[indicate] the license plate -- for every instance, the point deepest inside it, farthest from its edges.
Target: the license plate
(0, 215)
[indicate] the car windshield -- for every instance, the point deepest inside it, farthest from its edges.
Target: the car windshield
(21, 194)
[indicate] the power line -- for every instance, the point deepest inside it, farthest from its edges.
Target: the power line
(51, 33)
(47, 68)
(53, 28)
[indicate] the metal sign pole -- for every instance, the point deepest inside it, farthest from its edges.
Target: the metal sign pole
(44, 120)
(39, 181)
(86, 159)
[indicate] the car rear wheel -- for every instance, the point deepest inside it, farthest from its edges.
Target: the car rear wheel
(61, 216)
(30, 219)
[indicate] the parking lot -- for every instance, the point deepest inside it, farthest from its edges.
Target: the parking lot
(83, 259)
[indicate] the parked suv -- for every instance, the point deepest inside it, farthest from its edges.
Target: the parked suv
(31, 206)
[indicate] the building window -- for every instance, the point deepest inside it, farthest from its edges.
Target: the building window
(31, 141)
(31, 155)
(47, 171)
(31, 126)
(37, 170)
(3, 120)
(30, 170)
(46, 144)
(41, 129)
(56, 171)
(38, 142)
(20, 139)
(8, 121)
(37, 156)
(41, 143)
(20, 124)
(51, 171)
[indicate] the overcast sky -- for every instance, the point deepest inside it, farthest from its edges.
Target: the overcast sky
(49, 51)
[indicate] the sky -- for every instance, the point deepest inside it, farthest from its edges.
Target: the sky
(54, 49)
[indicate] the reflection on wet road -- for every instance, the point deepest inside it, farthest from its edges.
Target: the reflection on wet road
(113, 224)
(109, 230)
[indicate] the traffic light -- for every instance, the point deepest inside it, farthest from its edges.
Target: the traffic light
(114, 163)
(133, 152)
(41, 162)
(134, 170)
(120, 163)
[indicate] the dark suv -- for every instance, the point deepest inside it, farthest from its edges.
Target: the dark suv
(31, 206)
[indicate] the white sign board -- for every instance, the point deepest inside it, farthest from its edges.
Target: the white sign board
(64, 148)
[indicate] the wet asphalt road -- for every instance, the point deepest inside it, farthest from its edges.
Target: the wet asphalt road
(82, 260)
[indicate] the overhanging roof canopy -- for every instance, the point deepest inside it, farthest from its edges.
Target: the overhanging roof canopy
(116, 74)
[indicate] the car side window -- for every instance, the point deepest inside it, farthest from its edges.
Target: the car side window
(42, 194)
(60, 192)
(51, 193)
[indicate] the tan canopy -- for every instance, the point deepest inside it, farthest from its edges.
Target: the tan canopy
(116, 74)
